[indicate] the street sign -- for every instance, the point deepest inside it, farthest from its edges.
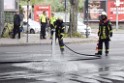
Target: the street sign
(11, 5)
(38, 9)
(117, 2)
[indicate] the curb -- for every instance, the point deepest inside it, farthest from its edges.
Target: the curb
(48, 43)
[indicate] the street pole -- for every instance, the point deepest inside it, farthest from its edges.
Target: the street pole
(32, 9)
(27, 18)
(117, 5)
(70, 26)
(1, 16)
(65, 14)
(116, 17)
(87, 18)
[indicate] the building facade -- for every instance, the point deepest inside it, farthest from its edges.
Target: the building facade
(7, 10)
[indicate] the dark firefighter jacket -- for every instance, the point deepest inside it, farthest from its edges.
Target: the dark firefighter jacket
(105, 29)
(17, 19)
(59, 26)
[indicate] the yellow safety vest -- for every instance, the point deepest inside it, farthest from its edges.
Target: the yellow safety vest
(52, 20)
(43, 18)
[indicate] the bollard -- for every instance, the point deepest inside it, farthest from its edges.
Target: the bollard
(87, 32)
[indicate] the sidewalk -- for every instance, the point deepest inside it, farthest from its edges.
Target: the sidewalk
(119, 31)
(34, 39)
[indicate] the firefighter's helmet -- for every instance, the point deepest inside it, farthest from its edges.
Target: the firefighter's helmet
(104, 13)
(60, 18)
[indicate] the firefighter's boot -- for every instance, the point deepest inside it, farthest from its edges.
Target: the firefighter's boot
(98, 54)
(106, 53)
(62, 50)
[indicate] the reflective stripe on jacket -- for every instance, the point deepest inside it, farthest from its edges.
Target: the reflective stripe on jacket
(104, 29)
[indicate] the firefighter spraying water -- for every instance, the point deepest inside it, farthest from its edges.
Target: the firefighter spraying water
(59, 27)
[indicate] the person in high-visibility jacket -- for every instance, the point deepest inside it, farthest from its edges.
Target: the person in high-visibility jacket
(52, 20)
(43, 21)
(59, 27)
(104, 34)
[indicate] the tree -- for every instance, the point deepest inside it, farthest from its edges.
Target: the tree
(73, 16)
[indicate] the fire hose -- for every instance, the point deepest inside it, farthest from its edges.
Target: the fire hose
(94, 57)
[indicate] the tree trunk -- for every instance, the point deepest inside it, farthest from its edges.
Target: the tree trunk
(73, 17)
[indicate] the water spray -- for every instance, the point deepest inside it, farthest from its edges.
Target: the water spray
(53, 42)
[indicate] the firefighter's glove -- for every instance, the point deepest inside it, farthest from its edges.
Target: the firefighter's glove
(111, 34)
(61, 37)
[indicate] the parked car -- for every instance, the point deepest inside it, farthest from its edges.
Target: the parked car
(33, 26)
(81, 28)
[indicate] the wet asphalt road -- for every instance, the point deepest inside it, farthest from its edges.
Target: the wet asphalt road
(35, 64)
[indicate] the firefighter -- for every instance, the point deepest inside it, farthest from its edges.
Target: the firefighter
(104, 34)
(52, 20)
(43, 21)
(59, 27)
